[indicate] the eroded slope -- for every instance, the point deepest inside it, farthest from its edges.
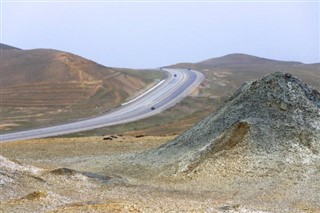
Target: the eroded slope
(44, 86)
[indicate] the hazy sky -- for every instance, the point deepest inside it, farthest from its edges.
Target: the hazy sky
(153, 34)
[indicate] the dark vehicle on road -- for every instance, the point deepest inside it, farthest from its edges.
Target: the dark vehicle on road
(175, 75)
(153, 108)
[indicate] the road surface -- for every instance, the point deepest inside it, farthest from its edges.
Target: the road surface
(179, 84)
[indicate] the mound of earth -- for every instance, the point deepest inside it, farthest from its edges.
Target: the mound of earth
(259, 150)
(275, 119)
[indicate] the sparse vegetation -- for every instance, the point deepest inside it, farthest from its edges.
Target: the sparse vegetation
(60, 87)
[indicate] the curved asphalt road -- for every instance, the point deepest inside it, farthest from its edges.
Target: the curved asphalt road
(179, 84)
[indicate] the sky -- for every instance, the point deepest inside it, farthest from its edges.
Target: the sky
(143, 34)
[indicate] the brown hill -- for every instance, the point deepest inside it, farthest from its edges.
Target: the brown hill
(4, 46)
(54, 80)
(225, 74)
(238, 59)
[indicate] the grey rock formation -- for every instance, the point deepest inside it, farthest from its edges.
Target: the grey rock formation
(277, 114)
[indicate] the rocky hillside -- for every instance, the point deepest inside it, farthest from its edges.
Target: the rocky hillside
(277, 117)
(37, 77)
(50, 82)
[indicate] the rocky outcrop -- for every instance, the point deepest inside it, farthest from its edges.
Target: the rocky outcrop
(14, 175)
(276, 115)
(10, 170)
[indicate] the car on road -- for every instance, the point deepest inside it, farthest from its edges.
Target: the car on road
(153, 108)
(175, 75)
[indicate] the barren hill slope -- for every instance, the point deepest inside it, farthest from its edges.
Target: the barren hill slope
(237, 59)
(4, 46)
(277, 115)
(227, 73)
(43, 80)
(45, 70)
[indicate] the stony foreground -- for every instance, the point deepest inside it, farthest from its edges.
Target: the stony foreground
(77, 189)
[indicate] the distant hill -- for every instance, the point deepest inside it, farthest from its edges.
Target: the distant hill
(53, 81)
(7, 47)
(225, 74)
(241, 59)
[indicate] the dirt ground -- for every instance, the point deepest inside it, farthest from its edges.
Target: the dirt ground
(89, 175)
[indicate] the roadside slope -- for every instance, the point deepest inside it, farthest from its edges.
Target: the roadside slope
(57, 86)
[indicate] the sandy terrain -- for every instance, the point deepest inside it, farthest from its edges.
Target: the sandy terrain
(98, 182)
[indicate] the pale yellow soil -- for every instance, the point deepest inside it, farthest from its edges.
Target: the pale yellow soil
(133, 189)
(52, 152)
